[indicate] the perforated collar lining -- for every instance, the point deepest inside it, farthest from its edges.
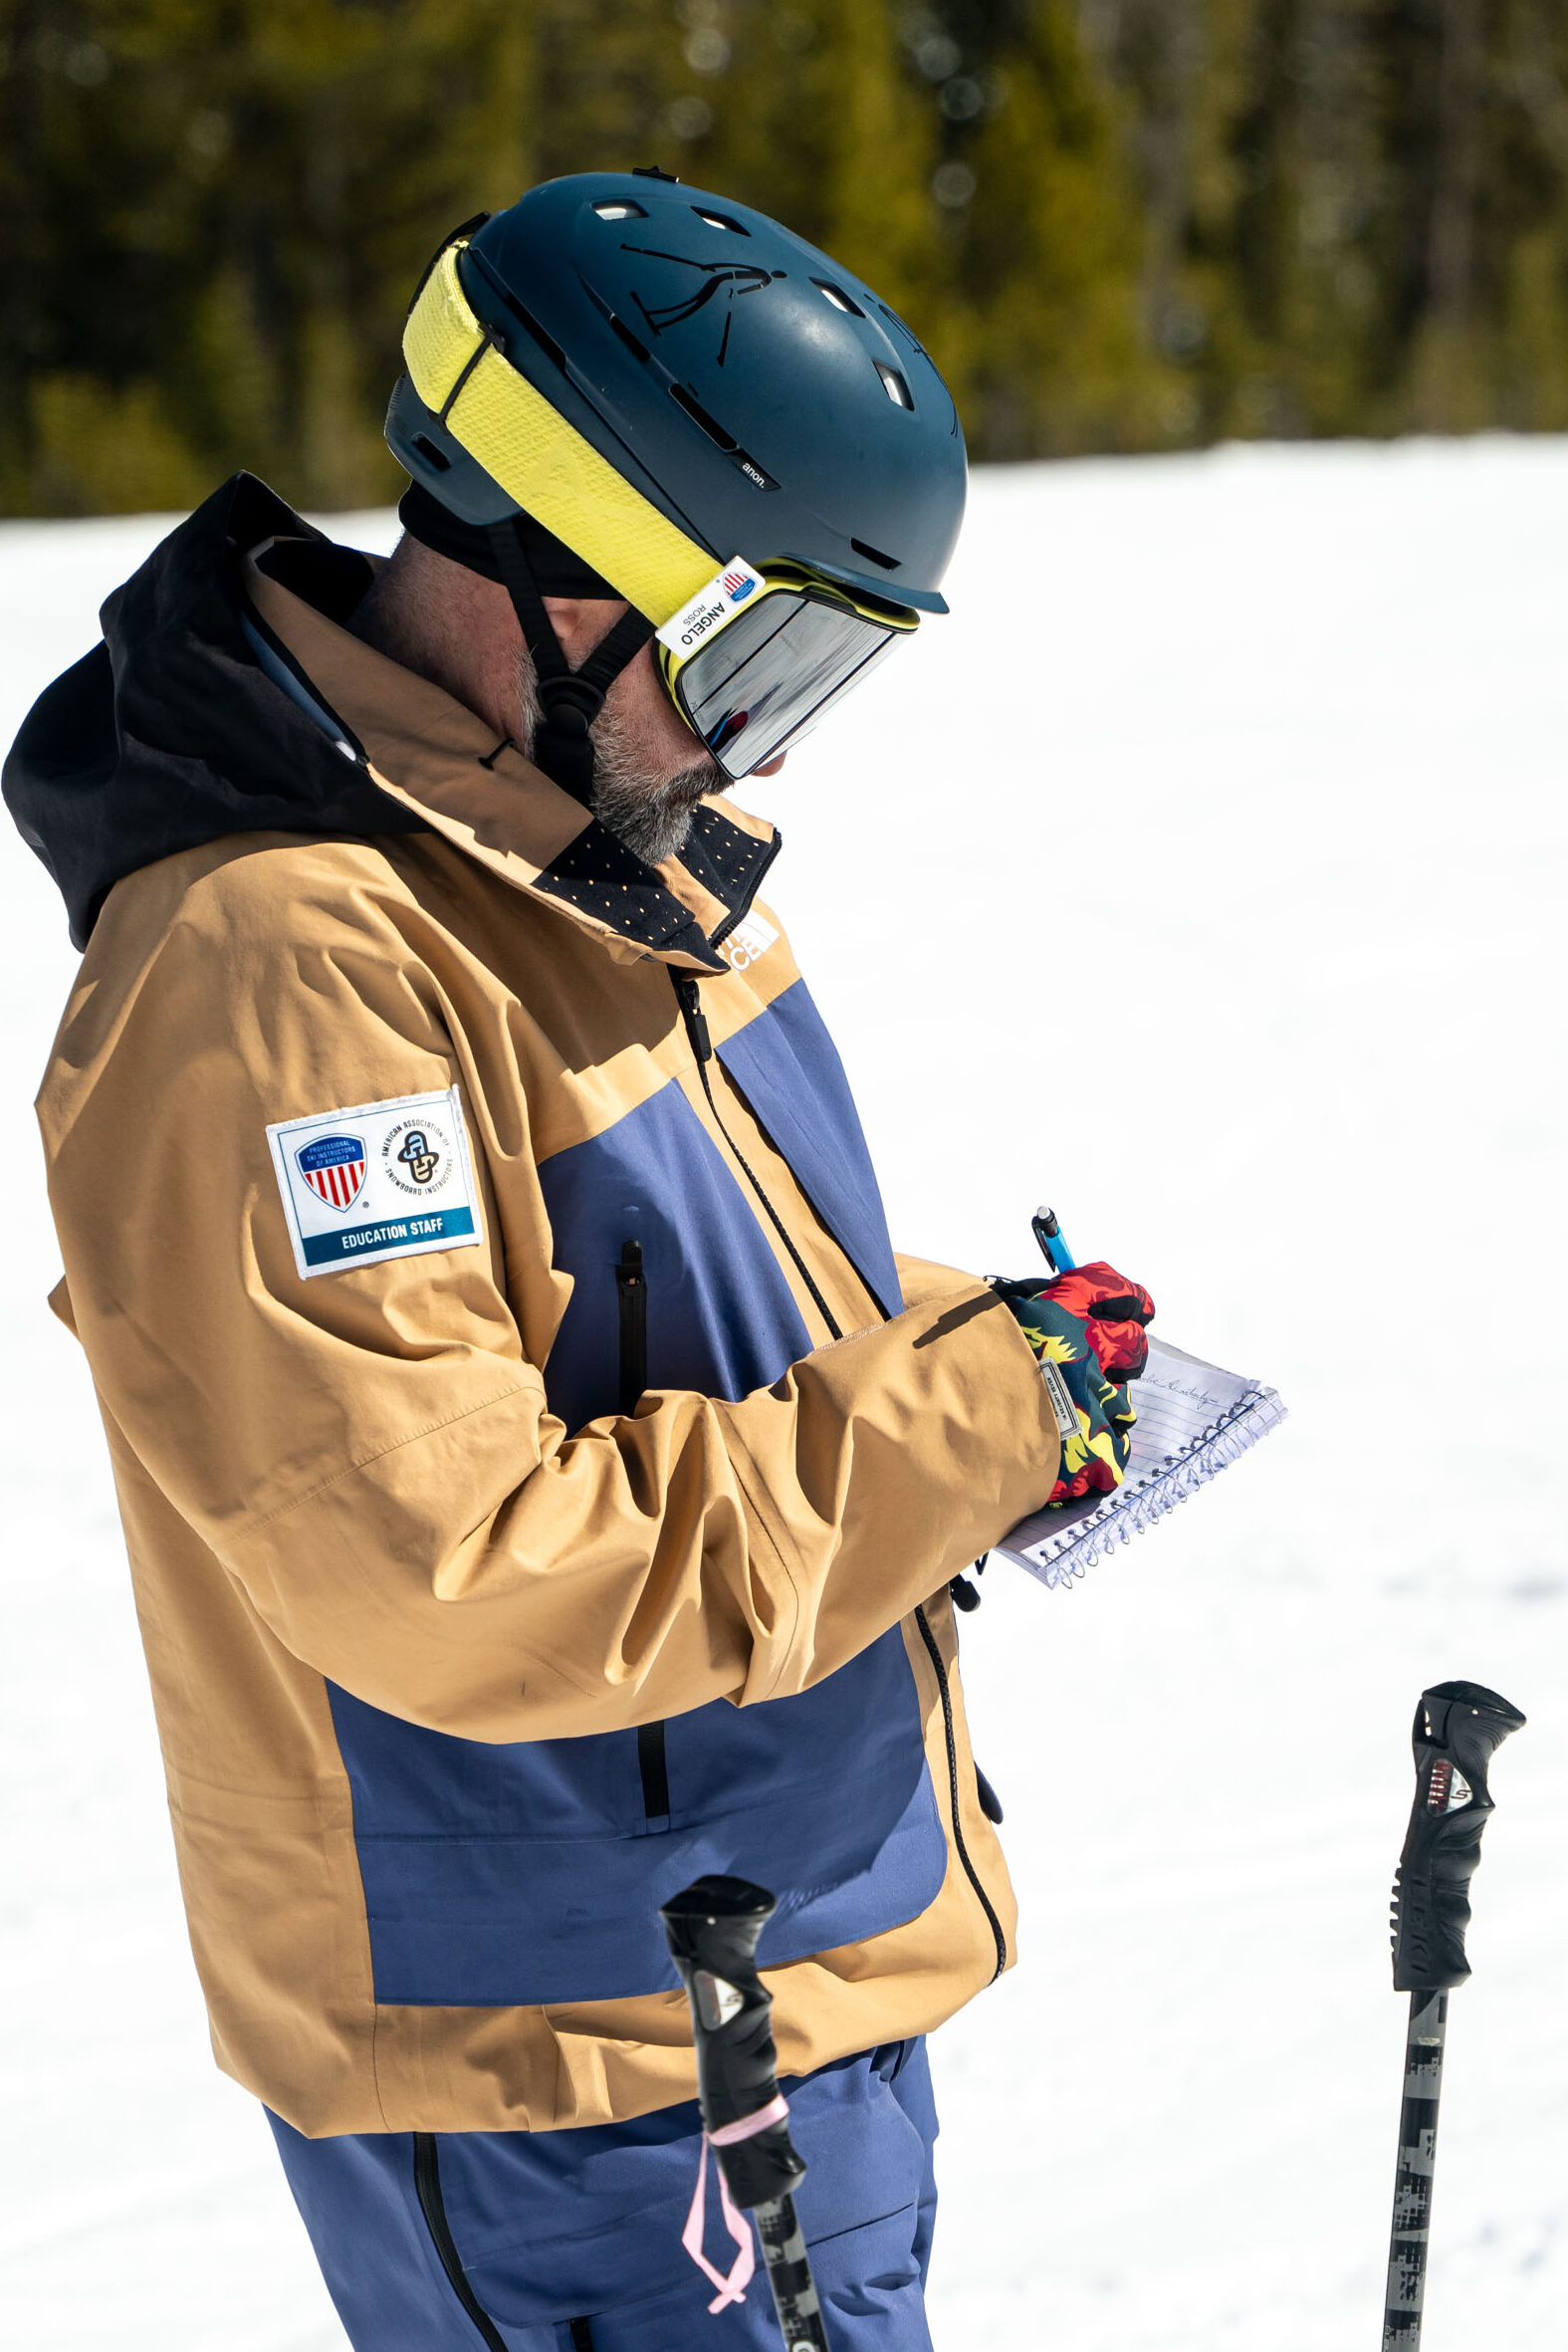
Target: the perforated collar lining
(441, 762)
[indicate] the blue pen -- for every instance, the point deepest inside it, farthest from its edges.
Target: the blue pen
(1049, 1236)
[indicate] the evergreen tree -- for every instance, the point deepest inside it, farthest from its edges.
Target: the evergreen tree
(1049, 353)
(1115, 223)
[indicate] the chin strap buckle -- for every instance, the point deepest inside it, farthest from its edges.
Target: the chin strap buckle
(562, 745)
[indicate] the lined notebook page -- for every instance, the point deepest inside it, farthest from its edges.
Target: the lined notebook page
(1193, 1420)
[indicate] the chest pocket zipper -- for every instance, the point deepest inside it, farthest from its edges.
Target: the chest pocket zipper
(631, 1285)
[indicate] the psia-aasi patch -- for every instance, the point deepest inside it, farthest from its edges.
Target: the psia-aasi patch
(376, 1180)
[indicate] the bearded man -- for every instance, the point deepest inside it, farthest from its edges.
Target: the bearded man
(541, 1480)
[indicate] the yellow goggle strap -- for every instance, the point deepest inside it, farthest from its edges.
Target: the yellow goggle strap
(538, 458)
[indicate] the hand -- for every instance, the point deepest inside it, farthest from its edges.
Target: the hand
(1089, 1324)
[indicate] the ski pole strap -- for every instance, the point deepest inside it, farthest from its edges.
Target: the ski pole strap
(731, 2287)
(730, 2135)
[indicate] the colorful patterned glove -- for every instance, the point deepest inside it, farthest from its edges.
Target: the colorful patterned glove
(1088, 1325)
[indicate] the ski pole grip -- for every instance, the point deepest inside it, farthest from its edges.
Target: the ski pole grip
(713, 1927)
(1459, 1725)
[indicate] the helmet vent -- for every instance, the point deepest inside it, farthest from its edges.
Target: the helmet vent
(894, 386)
(699, 416)
(757, 475)
(874, 555)
(638, 350)
(720, 221)
(546, 341)
(431, 454)
(837, 297)
(622, 209)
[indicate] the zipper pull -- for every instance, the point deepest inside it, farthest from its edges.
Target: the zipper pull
(688, 999)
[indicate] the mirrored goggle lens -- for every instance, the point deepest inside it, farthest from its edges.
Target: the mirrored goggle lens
(774, 671)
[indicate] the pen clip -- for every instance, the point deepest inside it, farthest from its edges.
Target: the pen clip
(1053, 1248)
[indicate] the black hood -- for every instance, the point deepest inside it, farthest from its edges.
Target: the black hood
(168, 734)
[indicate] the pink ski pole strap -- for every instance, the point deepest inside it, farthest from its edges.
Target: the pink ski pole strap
(732, 2290)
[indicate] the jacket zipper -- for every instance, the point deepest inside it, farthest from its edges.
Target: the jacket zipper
(690, 1002)
(631, 1285)
(970, 1872)
(686, 996)
(427, 2181)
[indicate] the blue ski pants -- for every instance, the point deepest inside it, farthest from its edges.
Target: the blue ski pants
(570, 2240)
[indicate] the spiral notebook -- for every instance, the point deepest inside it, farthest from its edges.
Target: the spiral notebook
(1193, 1420)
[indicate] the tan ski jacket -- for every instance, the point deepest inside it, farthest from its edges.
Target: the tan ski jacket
(540, 1482)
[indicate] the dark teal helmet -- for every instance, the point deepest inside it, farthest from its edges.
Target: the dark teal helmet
(665, 380)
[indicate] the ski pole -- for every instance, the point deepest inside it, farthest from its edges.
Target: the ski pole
(713, 1927)
(1459, 1725)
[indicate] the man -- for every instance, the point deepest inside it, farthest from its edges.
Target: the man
(542, 1482)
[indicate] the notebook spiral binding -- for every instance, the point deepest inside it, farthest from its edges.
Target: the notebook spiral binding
(1122, 1516)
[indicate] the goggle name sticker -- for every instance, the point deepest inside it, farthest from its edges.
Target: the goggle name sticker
(709, 612)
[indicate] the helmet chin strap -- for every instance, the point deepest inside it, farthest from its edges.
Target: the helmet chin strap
(570, 699)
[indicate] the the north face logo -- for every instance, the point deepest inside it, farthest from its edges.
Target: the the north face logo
(748, 940)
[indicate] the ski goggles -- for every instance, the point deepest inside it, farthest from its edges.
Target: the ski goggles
(753, 660)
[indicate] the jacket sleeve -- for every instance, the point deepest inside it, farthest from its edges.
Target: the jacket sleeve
(921, 1279)
(370, 1453)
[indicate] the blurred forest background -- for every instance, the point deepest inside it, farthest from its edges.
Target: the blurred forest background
(1119, 224)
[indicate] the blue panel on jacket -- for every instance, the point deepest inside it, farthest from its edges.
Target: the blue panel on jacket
(788, 1068)
(530, 1872)
(722, 1320)
(495, 1875)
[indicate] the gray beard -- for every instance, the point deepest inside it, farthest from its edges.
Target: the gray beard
(654, 820)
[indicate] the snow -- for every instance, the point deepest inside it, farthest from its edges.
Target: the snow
(1203, 875)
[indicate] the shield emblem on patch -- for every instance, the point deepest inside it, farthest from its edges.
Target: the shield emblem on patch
(334, 1168)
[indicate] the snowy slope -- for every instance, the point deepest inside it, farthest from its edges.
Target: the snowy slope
(1205, 876)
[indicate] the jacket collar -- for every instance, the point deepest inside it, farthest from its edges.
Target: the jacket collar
(442, 764)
